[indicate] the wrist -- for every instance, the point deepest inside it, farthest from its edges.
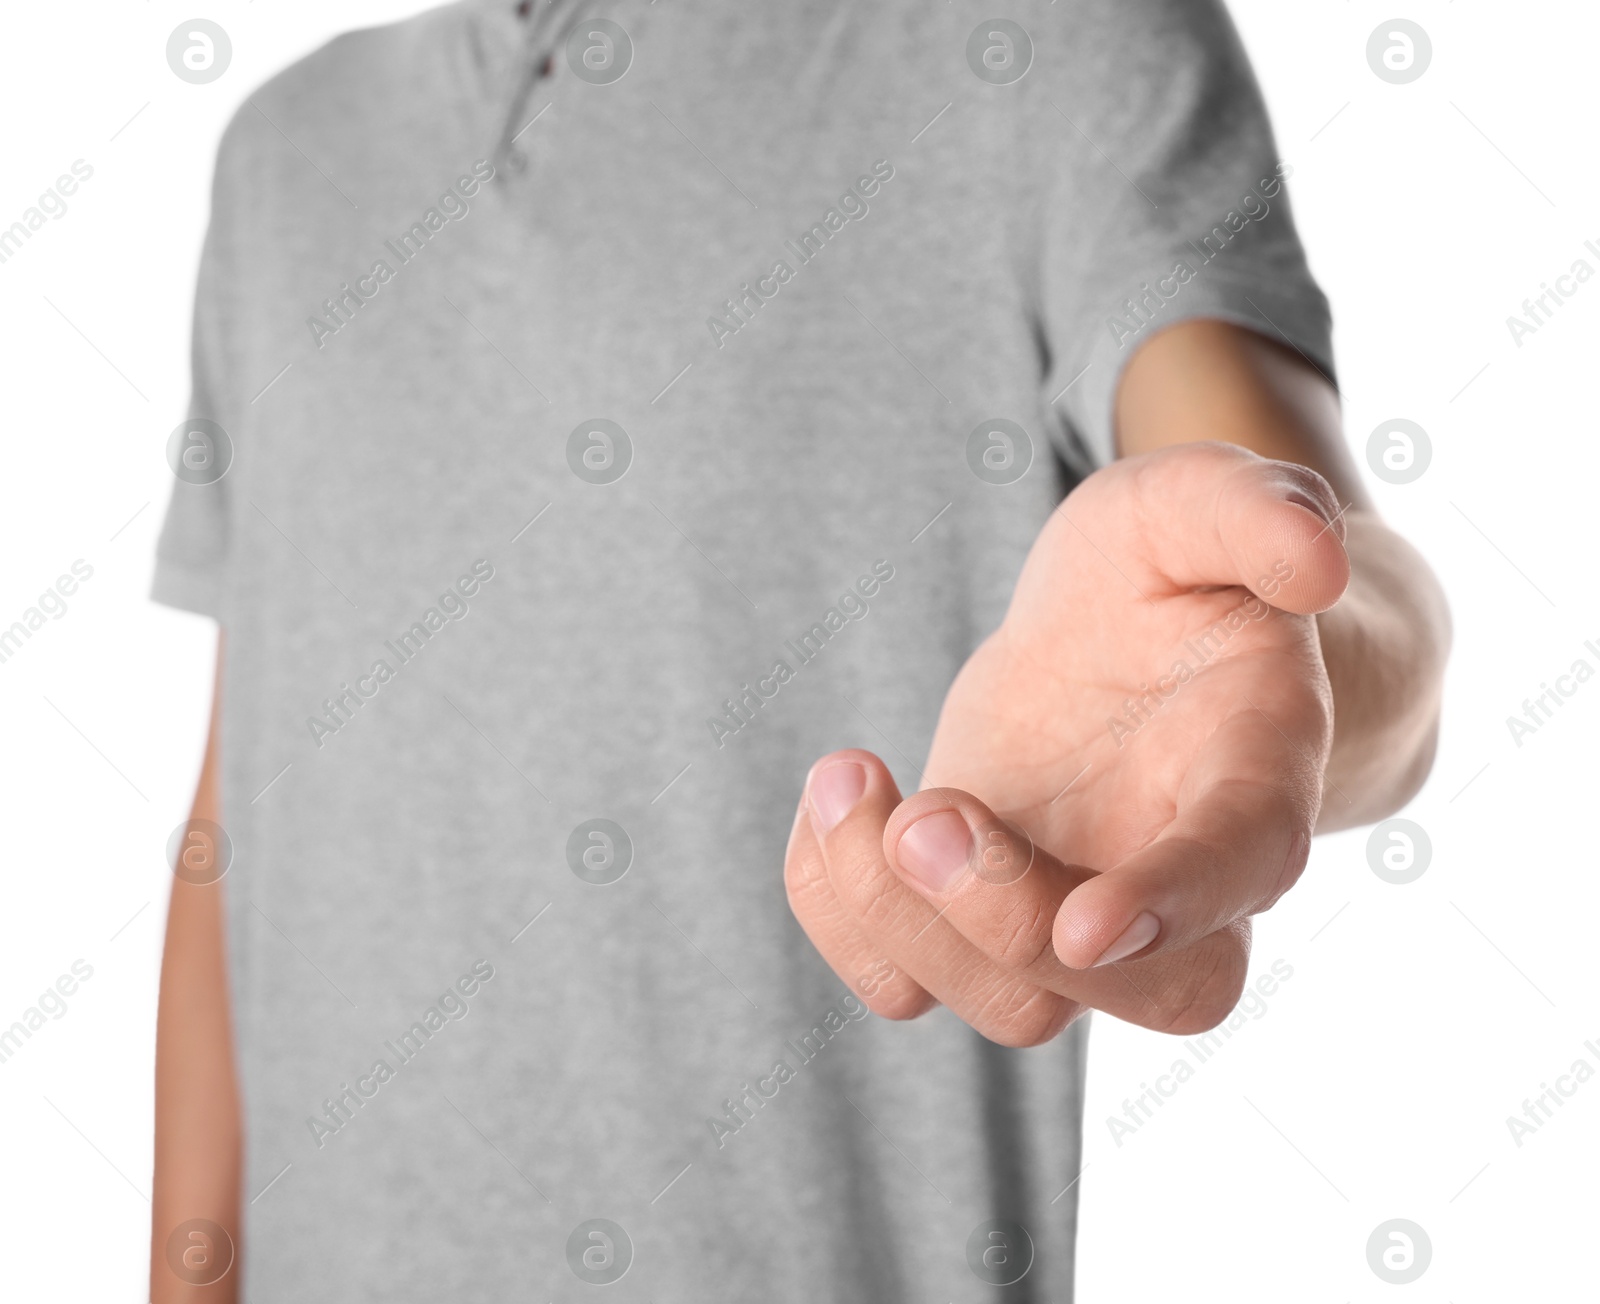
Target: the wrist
(1385, 646)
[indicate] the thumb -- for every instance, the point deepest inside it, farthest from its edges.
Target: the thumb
(1282, 528)
(1212, 514)
(1234, 846)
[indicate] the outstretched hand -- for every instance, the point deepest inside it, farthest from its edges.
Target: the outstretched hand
(1123, 773)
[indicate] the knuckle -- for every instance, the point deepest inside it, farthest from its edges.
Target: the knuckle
(884, 909)
(1206, 882)
(800, 894)
(1285, 811)
(1209, 989)
(900, 1001)
(805, 882)
(1022, 1016)
(890, 992)
(856, 870)
(1294, 868)
(1024, 936)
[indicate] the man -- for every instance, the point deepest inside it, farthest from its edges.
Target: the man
(619, 412)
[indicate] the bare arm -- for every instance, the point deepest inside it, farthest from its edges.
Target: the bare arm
(197, 1132)
(1214, 649)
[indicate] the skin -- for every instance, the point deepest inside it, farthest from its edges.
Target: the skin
(1052, 863)
(1233, 468)
(197, 1134)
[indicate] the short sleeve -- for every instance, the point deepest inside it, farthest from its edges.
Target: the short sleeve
(1166, 203)
(192, 552)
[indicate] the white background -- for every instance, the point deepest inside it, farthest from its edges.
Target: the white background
(1378, 1081)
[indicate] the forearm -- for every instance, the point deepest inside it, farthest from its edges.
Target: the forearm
(197, 1152)
(1384, 645)
(197, 1131)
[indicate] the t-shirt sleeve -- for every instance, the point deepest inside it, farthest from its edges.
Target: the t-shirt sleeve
(1165, 201)
(192, 553)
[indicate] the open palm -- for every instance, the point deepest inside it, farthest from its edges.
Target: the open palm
(1134, 760)
(1143, 664)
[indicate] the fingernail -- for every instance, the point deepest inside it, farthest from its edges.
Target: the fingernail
(833, 791)
(1310, 504)
(935, 850)
(1335, 520)
(1135, 937)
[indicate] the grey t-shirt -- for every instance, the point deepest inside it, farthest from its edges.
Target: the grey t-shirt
(600, 450)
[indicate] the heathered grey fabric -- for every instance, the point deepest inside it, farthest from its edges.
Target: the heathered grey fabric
(416, 849)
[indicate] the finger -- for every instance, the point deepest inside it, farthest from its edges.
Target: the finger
(1236, 845)
(887, 990)
(847, 824)
(989, 883)
(987, 879)
(1214, 514)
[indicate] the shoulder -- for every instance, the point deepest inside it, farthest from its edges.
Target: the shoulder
(331, 104)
